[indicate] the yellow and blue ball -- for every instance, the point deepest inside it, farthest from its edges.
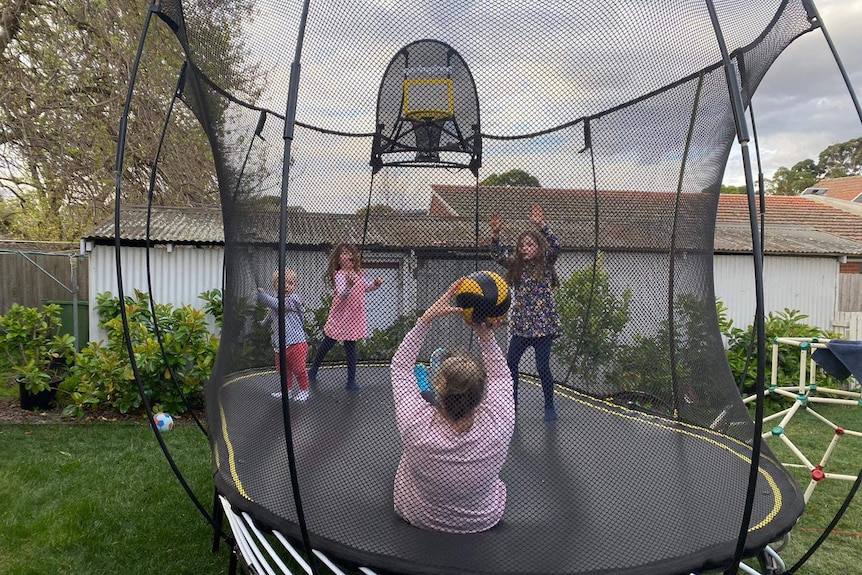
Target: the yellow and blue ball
(484, 296)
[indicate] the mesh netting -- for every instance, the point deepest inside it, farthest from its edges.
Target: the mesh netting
(620, 113)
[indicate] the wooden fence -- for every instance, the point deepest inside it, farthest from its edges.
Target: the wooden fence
(29, 276)
(848, 323)
(850, 292)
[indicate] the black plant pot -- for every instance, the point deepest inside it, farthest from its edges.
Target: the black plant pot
(42, 400)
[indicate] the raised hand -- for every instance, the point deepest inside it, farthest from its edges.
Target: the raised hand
(537, 215)
(377, 282)
(496, 224)
(443, 304)
(485, 330)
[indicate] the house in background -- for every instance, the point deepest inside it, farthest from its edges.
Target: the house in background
(844, 194)
(807, 242)
(187, 257)
(848, 189)
(418, 254)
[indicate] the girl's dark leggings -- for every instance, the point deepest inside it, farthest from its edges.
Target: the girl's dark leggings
(327, 344)
(542, 347)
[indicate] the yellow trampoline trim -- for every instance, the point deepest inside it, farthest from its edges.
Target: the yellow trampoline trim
(230, 453)
(231, 458)
(572, 396)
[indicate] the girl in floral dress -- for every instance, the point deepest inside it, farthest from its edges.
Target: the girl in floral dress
(534, 320)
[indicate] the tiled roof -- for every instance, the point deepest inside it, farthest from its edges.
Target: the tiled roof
(796, 211)
(633, 221)
(848, 189)
(794, 224)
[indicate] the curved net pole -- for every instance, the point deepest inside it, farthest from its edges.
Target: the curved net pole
(258, 131)
(289, 127)
(367, 217)
(761, 189)
(816, 20)
(826, 532)
(757, 252)
(150, 188)
(475, 230)
(671, 273)
(588, 310)
(121, 149)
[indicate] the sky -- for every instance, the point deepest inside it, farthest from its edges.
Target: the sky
(802, 106)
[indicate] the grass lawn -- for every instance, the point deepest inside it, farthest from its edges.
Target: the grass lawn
(100, 499)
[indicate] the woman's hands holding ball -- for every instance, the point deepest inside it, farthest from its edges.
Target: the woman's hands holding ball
(443, 306)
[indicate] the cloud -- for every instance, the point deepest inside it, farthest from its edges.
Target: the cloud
(535, 69)
(803, 105)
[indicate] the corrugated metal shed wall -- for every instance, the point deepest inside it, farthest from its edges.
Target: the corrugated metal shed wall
(809, 285)
(178, 276)
(806, 284)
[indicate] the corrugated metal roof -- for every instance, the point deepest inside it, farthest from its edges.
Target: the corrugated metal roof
(167, 224)
(629, 221)
(784, 240)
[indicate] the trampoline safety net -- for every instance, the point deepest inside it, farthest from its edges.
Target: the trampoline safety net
(418, 125)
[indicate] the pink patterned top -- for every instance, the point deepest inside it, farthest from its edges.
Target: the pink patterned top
(446, 480)
(346, 321)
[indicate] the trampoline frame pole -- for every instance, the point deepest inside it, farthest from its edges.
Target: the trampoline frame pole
(757, 253)
(289, 126)
(816, 20)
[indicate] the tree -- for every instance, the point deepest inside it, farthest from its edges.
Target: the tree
(725, 189)
(790, 182)
(835, 161)
(514, 178)
(842, 159)
(64, 72)
(592, 316)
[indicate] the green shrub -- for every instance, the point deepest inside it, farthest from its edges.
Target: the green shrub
(645, 365)
(248, 339)
(31, 347)
(592, 318)
(787, 323)
(380, 345)
(214, 305)
(102, 375)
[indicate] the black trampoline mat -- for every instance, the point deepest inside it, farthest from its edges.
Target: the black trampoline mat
(604, 489)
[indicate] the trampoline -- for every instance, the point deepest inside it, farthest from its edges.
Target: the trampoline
(408, 128)
(575, 501)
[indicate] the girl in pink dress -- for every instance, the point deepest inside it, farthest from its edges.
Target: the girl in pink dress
(346, 321)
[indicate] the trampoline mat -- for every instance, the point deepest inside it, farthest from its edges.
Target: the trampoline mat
(604, 489)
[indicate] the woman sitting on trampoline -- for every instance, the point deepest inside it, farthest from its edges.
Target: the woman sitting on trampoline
(448, 478)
